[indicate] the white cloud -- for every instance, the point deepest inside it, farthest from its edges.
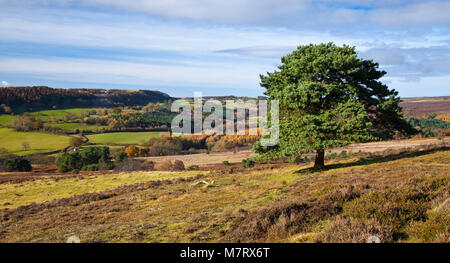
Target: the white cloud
(240, 39)
(5, 83)
(209, 75)
(419, 14)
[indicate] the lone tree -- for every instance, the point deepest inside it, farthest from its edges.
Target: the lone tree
(328, 98)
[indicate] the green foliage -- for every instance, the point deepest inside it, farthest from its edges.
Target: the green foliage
(429, 123)
(69, 161)
(45, 97)
(331, 156)
(95, 155)
(17, 164)
(121, 137)
(247, 163)
(329, 98)
(226, 163)
(296, 159)
(143, 120)
(344, 154)
(81, 160)
(90, 167)
(121, 157)
(193, 168)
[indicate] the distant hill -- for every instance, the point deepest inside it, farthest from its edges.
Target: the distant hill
(420, 107)
(46, 97)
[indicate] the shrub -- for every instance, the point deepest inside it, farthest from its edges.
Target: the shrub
(226, 163)
(89, 156)
(247, 163)
(331, 156)
(343, 154)
(350, 230)
(178, 165)
(296, 159)
(121, 157)
(17, 165)
(69, 161)
(392, 208)
(102, 166)
(193, 168)
(164, 166)
(90, 167)
(285, 218)
(75, 171)
(435, 227)
(95, 155)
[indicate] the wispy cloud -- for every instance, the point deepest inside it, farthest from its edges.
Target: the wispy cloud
(214, 44)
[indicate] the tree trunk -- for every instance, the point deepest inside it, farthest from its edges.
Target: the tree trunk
(319, 162)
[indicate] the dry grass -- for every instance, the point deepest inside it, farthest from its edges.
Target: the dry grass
(288, 204)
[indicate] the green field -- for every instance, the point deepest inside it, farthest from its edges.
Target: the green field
(45, 115)
(39, 142)
(72, 126)
(6, 119)
(122, 137)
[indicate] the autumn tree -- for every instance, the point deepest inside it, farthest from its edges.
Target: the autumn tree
(328, 98)
(26, 123)
(132, 151)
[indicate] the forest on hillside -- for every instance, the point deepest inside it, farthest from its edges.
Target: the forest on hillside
(44, 97)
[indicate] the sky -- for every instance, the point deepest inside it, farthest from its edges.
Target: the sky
(215, 47)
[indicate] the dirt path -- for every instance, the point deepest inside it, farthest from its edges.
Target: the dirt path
(203, 159)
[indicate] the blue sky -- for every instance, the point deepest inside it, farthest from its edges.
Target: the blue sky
(215, 47)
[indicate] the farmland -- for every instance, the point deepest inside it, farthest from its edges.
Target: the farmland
(137, 208)
(38, 142)
(122, 137)
(46, 115)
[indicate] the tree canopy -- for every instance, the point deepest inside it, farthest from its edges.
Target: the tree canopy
(328, 98)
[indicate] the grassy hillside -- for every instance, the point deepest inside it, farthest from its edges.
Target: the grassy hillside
(45, 115)
(348, 202)
(38, 142)
(122, 137)
(42, 97)
(47, 189)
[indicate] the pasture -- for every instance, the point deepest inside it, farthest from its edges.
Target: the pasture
(38, 142)
(46, 115)
(6, 119)
(72, 126)
(122, 138)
